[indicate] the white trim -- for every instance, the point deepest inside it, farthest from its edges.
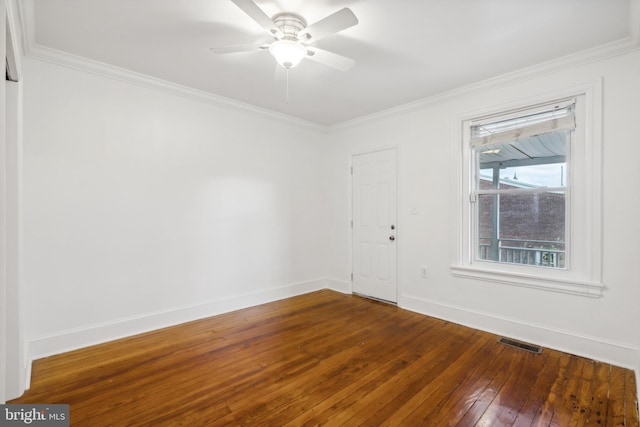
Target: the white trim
(609, 351)
(72, 339)
(586, 289)
(341, 286)
(27, 368)
(621, 354)
(79, 63)
(38, 52)
(637, 372)
(3, 218)
(15, 355)
(599, 53)
(585, 278)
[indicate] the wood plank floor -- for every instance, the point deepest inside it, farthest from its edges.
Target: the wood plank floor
(330, 359)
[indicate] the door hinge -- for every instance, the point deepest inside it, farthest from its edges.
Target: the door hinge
(352, 277)
(351, 223)
(351, 170)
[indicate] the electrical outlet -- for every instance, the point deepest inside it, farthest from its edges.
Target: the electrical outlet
(424, 271)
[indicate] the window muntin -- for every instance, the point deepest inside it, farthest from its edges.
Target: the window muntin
(520, 192)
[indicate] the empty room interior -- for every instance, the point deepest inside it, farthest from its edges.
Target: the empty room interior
(274, 212)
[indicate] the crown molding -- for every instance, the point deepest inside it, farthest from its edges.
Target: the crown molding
(25, 9)
(68, 60)
(599, 53)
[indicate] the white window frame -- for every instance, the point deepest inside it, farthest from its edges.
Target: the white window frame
(583, 274)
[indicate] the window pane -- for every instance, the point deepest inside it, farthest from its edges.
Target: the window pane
(537, 176)
(522, 228)
(533, 162)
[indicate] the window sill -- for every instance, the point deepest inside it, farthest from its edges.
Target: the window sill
(593, 290)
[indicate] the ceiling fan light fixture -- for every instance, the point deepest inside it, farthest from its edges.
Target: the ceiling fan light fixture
(288, 53)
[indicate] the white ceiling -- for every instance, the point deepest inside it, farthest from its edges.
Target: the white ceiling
(405, 50)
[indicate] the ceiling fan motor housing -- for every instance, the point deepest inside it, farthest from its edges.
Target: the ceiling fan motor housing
(290, 25)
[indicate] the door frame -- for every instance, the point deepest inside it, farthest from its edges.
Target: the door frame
(15, 379)
(398, 224)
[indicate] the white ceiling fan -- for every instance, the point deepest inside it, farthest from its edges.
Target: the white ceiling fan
(291, 39)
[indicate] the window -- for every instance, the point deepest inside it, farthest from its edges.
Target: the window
(530, 184)
(519, 194)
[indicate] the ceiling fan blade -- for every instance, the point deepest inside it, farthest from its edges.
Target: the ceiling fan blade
(330, 59)
(252, 9)
(341, 20)
(239, 48)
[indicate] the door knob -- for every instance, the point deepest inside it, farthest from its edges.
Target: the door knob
(392, 238)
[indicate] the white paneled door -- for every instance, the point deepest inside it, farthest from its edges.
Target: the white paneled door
(374, 225)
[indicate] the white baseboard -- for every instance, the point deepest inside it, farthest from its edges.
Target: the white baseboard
(72, 339)
(617, 353)
(638, 381)
(620, 354)
(338, 285)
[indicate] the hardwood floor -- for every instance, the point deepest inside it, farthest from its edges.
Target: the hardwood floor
(330, 359)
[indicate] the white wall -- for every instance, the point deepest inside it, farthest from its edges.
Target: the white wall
(143, 209)
(606, 328)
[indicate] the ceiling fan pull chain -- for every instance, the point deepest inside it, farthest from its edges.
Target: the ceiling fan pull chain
(287, 99)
